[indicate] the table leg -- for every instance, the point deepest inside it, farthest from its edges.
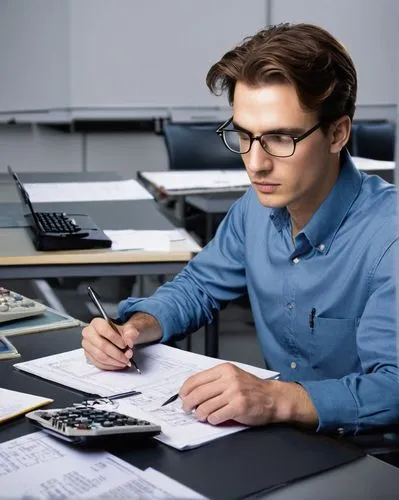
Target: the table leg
(208, 227)
(212, 336)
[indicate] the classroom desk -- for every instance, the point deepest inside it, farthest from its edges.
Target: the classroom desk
(243, 465)
(180, 195)
(20, 260)
(212, 204)
(216, 200)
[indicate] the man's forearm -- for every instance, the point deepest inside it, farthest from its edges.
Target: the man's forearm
(148, 327)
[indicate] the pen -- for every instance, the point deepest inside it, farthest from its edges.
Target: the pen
(95, 299)
(311, 318)
(124, 395)
(170, 400)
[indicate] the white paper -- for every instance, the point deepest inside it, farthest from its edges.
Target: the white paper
(170, 484)
(37, 466)
(164, 370)
(131, 239)
(369, 164)
(151, 241)
(13, 403)
(173, 180)
(50, 192)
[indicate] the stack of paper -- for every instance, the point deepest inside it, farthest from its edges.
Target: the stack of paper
(38, 466)
(13, 403)
(198, 179)
(49, 192)
(131, 239)
(164, 370)
(150, 241)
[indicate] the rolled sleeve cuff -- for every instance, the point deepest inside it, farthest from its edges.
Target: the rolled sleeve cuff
(335, 405)
(153, 307)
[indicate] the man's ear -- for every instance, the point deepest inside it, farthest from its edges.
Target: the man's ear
(339, 133)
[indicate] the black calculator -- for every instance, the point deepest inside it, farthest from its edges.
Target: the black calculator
(81, 425)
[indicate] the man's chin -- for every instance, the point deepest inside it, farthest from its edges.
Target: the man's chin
(270, 200)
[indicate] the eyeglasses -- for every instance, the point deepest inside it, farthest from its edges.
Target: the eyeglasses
(280, 145)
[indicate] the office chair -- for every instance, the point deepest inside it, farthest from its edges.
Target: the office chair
(196, 146)
(375, 140)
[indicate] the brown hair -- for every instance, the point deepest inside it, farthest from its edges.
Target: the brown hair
(303, 55)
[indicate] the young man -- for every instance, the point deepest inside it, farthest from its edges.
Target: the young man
(313, 241)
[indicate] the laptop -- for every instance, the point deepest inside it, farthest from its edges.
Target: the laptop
(58, 230)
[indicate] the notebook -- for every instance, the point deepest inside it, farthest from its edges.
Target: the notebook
(58, 230)
(13, 403)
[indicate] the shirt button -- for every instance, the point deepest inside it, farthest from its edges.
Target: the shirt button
(293, 365)
(296, 260)
(290, 305)
(321, 247)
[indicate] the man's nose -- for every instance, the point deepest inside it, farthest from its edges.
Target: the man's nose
(257, 159)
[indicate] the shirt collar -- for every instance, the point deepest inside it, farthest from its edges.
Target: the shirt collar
(325, 222)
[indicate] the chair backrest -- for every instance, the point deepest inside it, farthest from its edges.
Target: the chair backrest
(375, 140)
(196, 146)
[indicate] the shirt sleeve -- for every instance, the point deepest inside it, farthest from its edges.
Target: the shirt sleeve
(216, 275)
(359, 401)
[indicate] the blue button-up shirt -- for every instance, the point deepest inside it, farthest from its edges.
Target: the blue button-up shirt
(323, 304)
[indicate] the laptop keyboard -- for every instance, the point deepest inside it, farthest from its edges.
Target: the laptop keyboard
(56, 222)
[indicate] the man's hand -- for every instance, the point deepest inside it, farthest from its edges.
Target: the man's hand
(104, 345)
(226, 392)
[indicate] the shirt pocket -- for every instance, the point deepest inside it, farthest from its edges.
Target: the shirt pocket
(333, 352)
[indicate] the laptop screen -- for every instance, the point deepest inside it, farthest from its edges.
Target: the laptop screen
(24, 196)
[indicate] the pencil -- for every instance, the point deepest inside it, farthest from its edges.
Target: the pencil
(170, 400)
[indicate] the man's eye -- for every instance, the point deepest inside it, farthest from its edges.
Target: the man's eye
(278, 139)
(243, 136)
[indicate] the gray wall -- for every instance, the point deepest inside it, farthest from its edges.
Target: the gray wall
(58, 53)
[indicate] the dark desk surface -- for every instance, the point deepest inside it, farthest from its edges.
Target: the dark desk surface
(232, 467)
(126, 214)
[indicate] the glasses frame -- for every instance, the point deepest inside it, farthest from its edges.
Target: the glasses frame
(220, 132)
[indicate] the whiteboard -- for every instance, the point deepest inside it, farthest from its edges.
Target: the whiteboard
(153, 53)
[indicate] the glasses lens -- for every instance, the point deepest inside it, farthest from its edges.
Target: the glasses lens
(278, 144)
(238, 142)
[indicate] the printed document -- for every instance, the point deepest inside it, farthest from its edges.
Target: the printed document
(173, 180)
(132, 239)
(164, 370)
(50, 192)
(40, 467)
(151, 241)
(14, 403)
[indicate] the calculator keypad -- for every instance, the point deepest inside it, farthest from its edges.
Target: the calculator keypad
(80, 423)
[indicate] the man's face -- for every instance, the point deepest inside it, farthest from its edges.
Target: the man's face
(299, 182)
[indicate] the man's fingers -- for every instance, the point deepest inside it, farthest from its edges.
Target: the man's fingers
(210, 406)
(129, 334)
(201, 378)
(201, 394)
(101, 328)
(222, 414)
(104, 352)
(103, 366)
